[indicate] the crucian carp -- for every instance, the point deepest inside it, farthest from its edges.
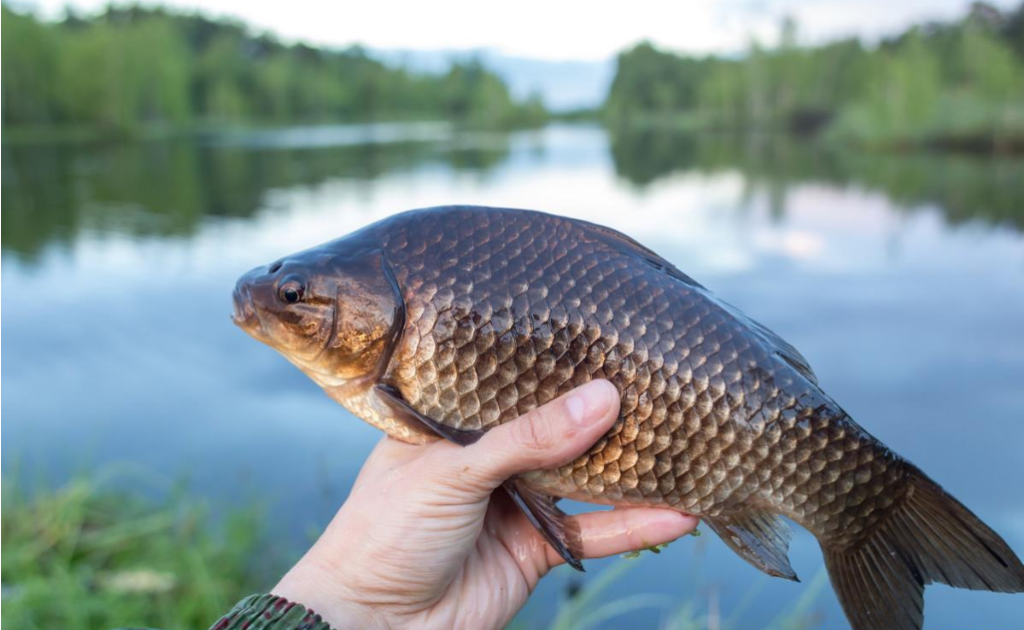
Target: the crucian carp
(446, 322)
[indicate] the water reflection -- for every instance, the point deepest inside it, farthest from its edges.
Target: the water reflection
(119, 261)
(53, 192)
(964, 187)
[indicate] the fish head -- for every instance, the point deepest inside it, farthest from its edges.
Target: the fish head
(332, 310)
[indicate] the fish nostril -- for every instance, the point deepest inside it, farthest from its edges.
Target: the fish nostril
(275, 267)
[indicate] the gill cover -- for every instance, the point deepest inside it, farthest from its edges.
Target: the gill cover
(368, 318)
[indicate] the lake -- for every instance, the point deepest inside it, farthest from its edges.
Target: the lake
(900, 277)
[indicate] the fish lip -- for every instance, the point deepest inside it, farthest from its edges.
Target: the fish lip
(244, 315)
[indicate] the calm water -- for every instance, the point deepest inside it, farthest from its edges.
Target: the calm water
(900, 278)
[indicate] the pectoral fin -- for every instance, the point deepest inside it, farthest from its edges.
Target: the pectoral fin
(401, 408)
(561, 532)
(760, 538)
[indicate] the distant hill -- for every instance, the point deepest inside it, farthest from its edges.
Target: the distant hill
(564, 85)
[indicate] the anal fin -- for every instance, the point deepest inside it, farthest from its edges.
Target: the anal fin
(760, 538)
(561, 532)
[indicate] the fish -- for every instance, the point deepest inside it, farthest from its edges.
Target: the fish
(443, 323)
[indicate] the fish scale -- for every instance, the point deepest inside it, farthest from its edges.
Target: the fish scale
(448, 322)
(678, 359)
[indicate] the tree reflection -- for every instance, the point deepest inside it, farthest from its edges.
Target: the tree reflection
(964, 187)
(51, 192)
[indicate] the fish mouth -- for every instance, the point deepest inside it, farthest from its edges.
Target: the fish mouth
(244, 315)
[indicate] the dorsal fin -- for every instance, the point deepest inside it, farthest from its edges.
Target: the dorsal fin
(779, 345)
(627, 245)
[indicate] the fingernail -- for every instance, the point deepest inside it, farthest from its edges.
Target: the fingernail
(588, 403)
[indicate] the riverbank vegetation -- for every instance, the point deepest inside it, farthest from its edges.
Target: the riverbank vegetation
(88, 555)
(953, 85)
(97, 553)
(133, 70)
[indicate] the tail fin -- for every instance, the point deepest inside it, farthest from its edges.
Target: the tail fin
(931, 537)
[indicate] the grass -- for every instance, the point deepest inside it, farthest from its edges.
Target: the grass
(94, 555)
(591, 607)
(87, 556)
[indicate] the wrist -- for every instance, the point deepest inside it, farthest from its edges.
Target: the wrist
(318, 589)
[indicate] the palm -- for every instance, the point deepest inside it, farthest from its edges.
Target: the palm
(442, 553)
(423, 541)
(502, 569)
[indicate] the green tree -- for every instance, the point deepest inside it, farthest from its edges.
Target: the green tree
(131, 68)
(952, 84)
(30, 56)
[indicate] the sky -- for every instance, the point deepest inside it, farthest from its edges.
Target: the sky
(562, 30)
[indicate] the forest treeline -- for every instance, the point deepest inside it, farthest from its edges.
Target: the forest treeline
(954, 85)
(127, 69)
(130, 68)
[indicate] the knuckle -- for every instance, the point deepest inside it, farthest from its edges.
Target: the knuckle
(534, 432)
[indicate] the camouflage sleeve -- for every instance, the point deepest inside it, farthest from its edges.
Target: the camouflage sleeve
(269, 612)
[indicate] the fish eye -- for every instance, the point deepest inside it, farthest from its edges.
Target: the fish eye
(291, 290)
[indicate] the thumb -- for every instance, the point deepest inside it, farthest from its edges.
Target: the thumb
(546, 437)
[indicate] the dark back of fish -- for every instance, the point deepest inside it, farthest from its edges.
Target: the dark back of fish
(507, 309)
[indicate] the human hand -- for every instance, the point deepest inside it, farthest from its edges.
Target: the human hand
(421, 541)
